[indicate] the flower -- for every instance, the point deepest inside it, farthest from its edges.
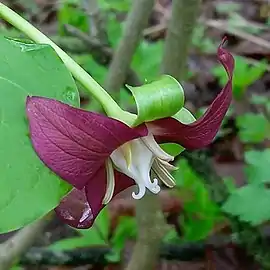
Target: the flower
(101, 156)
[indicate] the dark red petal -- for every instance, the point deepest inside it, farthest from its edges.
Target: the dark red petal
(80, 208)
(201, 132)
(75, 211)
(72, 142)
(95, 190)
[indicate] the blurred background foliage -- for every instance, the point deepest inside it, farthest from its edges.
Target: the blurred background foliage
(239, 157)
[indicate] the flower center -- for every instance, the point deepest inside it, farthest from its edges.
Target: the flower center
(136, 158)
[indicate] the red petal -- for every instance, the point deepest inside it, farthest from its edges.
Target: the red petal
(72, 142)
(81, 207)
(201, 132)
(75, 211)
(95, 190)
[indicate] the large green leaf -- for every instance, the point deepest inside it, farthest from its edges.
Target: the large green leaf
(28, 189)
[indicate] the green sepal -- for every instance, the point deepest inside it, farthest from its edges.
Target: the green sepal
(186, 117)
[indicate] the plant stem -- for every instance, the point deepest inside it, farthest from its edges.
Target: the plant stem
(179, 36)
(14, 247)
(134, 25)
(152, 229)
(109, 105)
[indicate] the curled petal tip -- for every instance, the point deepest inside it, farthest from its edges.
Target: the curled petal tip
(201, 132)
(223, 42)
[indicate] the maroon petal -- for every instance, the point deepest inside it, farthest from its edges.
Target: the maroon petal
(75, 211)
(201, 132)
(72, 142)
(80, 208)
(95, 190)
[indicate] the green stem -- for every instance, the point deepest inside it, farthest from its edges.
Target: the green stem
(179, 37)
(109, 105)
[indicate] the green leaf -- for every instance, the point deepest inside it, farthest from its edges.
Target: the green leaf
(196, 229)
(227, 8)
(173, 149)
(96, 235)
(171, 236)
(78, 242)
(71, 13)
(118, 5)
(200, 212)
(253, 128)
(229, 182)
(261, 100)
(29, 189)
(114, 29)
(185, 117)
(151, 53)
(240, 80)
(114, 256)
(258, 169)
(17, 268)
(127, 229)
(101, 226)
(250, 203)
(158, 99)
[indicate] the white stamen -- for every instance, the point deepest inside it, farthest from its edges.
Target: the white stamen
(150, 142)
(110, 182)
(167, 165)
(163, 174)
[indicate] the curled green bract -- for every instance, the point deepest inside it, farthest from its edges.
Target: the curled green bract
(158, 99)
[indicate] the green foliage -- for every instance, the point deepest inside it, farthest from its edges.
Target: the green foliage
(99, 235)
(201, 41)
(151, 53)
(173, 149)
(258, 169)
(184, 116)
(126, 229)
(227, 7)
(95, 236)
(240, 79)
(26, 184)
(261, 100)
(114, 29)
(70, 12)
(116, 5)
(229, 183)
(251, 203)
(235, 20)
(16, 268)
(200, 213)
(253, 128)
